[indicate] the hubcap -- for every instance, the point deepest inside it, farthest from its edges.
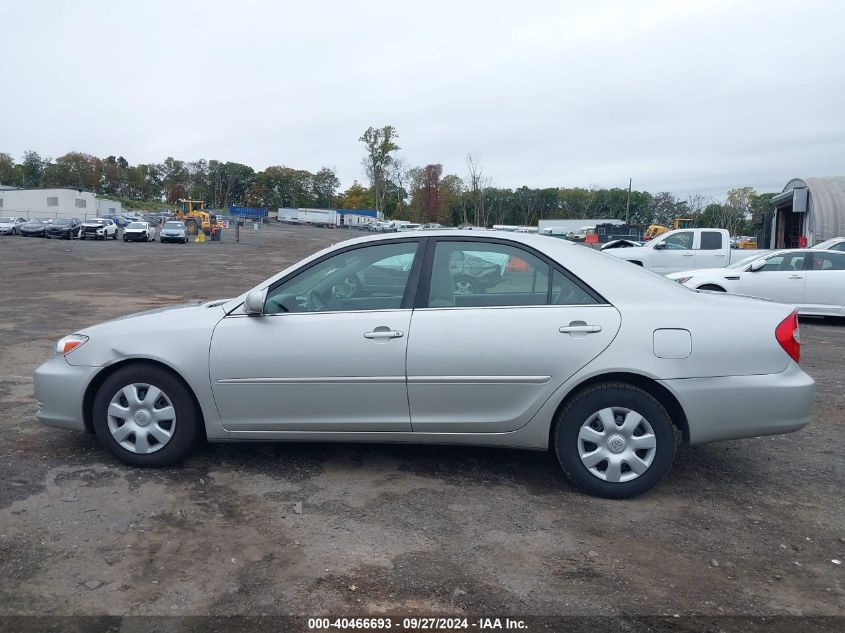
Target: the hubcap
(463, 288)
(141, 418)
(616, 444)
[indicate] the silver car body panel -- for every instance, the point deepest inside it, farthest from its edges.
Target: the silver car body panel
(487, 376)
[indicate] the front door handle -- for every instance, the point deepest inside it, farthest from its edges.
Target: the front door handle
(585, 329)
(796, 277)
(687, 254)
(383, 332)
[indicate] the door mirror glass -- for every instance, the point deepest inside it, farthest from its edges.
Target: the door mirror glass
(756, 265)
(254, 302)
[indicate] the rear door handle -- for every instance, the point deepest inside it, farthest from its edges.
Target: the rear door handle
(796, 277)
(687, 254)
(384, 334)
(586, 329)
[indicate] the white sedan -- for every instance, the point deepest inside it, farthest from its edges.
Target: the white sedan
(810, 279)
(139, 232)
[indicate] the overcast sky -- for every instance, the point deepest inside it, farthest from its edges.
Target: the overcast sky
(680, 96)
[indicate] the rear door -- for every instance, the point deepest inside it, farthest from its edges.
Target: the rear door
(781, 279)
(711, 251)
(824, 291)
(496, 330)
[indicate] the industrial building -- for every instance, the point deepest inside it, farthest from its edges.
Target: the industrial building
(56, 203)
(808, 211)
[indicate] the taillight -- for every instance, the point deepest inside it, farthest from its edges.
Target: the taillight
(789, 337)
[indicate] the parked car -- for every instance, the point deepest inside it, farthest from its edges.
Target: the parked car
(833, 244)
(119, 220)
(10, 226)
(139, 232)
(99, 229)
(33, 228)
(174, 231)
(410, 226)
(684, 249)
(578, 353)
(381, 227)
(430, 226)
(810, 279)
(67, 228)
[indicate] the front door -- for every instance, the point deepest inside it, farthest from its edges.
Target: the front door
(329, 352)
(491, 340)
(676, 254)
(781, 279)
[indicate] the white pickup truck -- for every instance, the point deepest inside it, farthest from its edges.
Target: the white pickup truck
(684, 249)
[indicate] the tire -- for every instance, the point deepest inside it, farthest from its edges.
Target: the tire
(712, 287)
(125, 240)
(184, 427)
(571, 440)
(466, 286)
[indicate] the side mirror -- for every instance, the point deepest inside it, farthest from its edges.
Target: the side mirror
(756, 265)
(659, 246)
(254, 302)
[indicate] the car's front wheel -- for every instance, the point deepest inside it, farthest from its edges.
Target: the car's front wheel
(465, 286)
(614, 440)
(146, 416)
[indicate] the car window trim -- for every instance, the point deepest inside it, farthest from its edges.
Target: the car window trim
(424, 285)
(410, 287)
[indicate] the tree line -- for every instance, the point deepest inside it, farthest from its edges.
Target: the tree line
(421, 193)
(220, 184)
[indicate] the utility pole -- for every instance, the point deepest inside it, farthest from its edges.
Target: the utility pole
(628, 204)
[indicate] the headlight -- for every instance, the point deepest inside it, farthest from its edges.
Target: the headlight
(69, 343)
(683, 280)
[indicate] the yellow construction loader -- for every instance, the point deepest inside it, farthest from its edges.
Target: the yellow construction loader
(195, 217)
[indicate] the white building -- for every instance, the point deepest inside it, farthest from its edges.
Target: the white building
(569, 225)
(55, 203)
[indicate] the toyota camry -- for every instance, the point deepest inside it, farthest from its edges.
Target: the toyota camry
(379, 339)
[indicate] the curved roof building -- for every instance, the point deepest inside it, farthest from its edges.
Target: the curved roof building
(809, 208)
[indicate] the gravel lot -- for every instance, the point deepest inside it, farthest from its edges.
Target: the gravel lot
(748, 527)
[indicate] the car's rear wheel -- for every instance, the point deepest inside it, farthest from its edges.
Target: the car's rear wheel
(614, 440)
(146, 416)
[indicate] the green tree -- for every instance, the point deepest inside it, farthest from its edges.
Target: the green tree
(324, 185)
(8, 171)
(32, 170)
(380, 144)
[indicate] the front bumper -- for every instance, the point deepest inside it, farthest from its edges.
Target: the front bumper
(135, 237)
(59, 391)
(734, 407)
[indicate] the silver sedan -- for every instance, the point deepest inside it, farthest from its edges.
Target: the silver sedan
(557, 348)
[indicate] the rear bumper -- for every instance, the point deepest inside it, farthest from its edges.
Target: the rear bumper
(59, 391)
(734, 407)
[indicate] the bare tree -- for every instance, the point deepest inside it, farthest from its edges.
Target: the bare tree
(696, 204)
(399, 169)
(477, 183)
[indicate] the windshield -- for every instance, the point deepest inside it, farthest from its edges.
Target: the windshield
(136, 225)
(7, 220)
(745, 261)
(61, 222)
(174, 225)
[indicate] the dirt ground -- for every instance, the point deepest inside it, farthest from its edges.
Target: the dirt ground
(746, 527)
